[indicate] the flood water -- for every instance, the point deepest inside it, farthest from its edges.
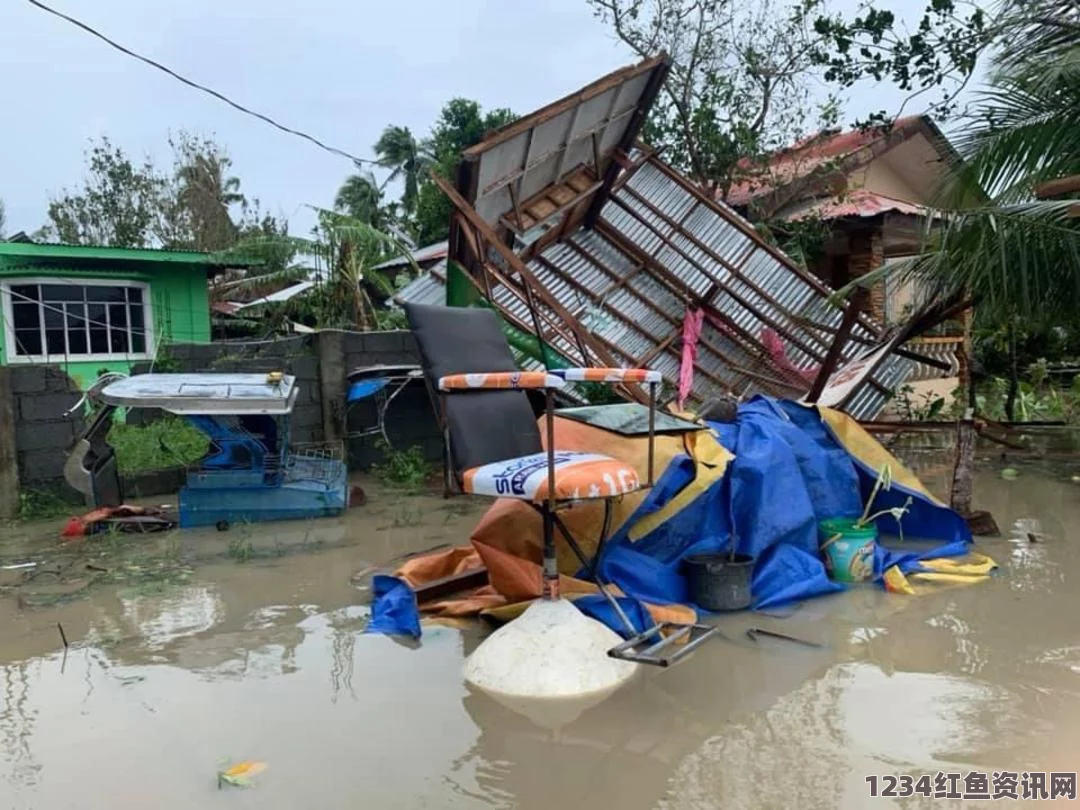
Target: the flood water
(264, 660)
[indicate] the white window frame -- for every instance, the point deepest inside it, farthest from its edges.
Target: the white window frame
(13, 358)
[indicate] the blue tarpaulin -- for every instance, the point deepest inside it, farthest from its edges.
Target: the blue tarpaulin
(790, 471)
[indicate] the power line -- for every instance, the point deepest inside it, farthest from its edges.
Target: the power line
(197, 86)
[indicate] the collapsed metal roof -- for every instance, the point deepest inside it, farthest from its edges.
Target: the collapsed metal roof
(588, 240)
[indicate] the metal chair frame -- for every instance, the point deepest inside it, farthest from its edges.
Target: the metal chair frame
(664, 643)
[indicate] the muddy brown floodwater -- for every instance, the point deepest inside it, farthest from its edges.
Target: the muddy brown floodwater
(260, 656)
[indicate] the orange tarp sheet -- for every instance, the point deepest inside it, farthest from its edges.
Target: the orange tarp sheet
(508, 540)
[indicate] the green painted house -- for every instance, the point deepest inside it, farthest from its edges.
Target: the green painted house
(92, 308)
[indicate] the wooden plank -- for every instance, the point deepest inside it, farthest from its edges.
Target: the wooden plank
(9, 465)
(484, 230)
(1058, 187)
(835, 353)
(561, 194)
(541, 209)
(580, 181)
(519, 218)
(455, 583)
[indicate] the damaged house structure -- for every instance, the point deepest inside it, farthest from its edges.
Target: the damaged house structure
(873, 191)
(584, 238)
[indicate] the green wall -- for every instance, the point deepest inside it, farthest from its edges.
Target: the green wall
(178, 298)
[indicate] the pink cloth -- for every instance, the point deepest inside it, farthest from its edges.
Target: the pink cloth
(775, 347)
(691, 331)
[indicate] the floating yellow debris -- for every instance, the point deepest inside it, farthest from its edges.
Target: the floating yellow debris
(943, 571)
(239, 775)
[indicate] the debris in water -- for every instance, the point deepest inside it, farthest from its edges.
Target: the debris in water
(63, 636)
(239, 775)
(1010, 474)
(18, 566)
(754, 632)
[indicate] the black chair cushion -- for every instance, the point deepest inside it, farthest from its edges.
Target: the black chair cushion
(485, 426)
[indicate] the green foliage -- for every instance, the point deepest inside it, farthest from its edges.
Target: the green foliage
(120, 205)
(407, 159)
(166, 442)
(360, 197)
(389, 320)
(197, 205)
(202, 195)
(745, 76)
(165, 362)
(422, 210)
(939, 55)
(1036, 399)
(1019, 257)
(911, 407)
(408, 469)
(341, 255)
(41, 504)
(240, 548)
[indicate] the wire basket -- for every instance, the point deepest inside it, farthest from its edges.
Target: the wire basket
(321, 462)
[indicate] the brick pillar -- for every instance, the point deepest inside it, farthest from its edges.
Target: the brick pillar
(867, 252)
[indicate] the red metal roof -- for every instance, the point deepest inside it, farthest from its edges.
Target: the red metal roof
(859, 203)
(802, 158)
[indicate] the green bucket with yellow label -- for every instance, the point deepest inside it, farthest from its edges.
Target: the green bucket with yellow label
(848, 549)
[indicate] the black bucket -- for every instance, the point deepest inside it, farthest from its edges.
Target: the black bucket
(720, 581)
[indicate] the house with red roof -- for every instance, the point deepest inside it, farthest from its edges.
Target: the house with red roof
(872, 189)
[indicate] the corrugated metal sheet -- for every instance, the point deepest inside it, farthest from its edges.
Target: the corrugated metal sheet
(704, 249)
(433, 251)
(619, 291)
(429, 288)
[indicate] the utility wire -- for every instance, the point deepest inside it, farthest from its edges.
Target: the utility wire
(197, 86)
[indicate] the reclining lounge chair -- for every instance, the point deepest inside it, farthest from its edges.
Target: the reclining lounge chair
(492, 447)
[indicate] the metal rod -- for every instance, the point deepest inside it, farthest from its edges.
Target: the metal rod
(666, 640)
(551, 560)
(594, 565)
(447, 460)
(652, 429)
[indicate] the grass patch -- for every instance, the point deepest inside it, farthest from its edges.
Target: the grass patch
(165, 442)
(40, 504)
(403, 468)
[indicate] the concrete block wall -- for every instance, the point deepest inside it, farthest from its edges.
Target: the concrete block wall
(42, 394)
(43, 433)
(410, 420)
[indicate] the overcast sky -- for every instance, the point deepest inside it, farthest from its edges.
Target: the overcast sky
(339, 70)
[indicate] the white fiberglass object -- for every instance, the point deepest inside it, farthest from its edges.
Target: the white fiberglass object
(550, 663)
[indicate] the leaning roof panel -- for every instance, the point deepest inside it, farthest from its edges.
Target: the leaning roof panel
(629, 248)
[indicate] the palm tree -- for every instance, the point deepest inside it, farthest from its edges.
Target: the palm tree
(408, 159)
(359, 197)
(206, 193)
(997, 241)
(341, 256)
(1016, 254)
